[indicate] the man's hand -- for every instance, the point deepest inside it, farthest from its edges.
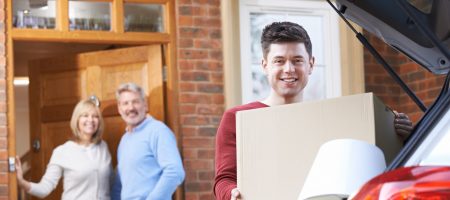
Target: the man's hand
(403, 126)
(235, 194)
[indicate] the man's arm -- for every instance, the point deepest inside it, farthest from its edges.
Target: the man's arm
(169, 159)
(226, 175)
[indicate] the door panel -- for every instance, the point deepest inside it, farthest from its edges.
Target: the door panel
(114, 76)
(114, 125)
(55, 87)
(57, 84)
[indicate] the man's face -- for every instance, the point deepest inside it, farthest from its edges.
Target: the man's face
(288, 66)
(132, 108)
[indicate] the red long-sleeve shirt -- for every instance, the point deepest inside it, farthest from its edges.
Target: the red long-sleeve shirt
(226, 175)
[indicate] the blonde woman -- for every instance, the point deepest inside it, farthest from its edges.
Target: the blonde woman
(84, 161)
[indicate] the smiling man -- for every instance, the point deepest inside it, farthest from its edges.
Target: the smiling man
(287, 63)
(148, 161)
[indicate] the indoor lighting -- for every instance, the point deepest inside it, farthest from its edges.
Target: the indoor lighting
(21, 81)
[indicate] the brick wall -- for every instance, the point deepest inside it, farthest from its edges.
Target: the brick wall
(3, 125)
(425, 84)
(201, 91)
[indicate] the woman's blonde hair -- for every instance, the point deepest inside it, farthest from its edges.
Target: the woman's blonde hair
(82, 107)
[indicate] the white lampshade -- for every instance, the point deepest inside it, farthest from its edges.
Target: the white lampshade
(341, 167)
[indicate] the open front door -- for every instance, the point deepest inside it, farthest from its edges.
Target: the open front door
(57, 84)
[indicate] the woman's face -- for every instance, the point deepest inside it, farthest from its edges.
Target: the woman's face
(88, 122)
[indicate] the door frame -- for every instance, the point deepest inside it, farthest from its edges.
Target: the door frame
(171, 78)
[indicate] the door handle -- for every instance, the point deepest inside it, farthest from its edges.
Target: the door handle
(36, 145)
(12, 164)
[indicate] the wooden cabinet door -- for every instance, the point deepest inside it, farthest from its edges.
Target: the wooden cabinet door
(57, 84)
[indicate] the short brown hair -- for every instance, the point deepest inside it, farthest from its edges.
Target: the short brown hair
(280, 32)
(82, 107)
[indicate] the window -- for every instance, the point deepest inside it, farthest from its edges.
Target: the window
(141, 17)
(85, 15)
(34, 14)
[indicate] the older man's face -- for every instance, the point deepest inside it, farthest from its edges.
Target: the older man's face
(132, 108)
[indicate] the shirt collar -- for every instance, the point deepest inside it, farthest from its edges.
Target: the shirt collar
(141, 125)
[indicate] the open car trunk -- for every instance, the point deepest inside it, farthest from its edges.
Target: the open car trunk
(421, 30)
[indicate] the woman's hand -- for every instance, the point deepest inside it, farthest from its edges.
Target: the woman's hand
(19, 174)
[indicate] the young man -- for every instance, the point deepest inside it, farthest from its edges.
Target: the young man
(287, 63)
(149, 164)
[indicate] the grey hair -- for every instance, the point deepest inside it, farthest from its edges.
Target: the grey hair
(130, 87)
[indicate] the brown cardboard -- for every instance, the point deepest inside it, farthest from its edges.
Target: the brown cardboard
(276, 146)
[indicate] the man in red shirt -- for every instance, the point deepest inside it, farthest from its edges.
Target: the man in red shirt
(287, 62)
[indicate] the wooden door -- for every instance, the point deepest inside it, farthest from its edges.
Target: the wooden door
(57, 84)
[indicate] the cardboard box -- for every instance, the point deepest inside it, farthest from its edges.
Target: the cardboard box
(276, 146)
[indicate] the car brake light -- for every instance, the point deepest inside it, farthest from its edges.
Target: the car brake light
(409, 183)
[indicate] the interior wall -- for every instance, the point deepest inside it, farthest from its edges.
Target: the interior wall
(25, 51)
(22, 119)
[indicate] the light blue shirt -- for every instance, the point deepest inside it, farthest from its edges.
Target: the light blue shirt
(149, 163)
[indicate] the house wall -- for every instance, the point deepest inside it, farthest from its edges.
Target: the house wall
(425, 84)
(201, 91)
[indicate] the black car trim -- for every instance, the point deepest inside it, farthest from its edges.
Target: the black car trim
(422, 27)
